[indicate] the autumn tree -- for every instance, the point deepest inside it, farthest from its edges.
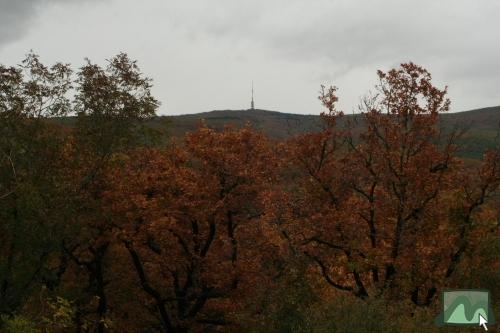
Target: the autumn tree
(380, 205)
(30, 154)
(111, 105)
(189, 221)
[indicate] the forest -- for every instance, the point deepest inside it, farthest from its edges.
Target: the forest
(109, 225)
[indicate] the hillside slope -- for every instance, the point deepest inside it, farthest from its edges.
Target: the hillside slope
(274, 124)
(483, 125)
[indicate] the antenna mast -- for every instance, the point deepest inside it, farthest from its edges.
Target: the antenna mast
(252, 105)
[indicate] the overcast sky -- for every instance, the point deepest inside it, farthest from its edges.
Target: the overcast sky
(204, 54)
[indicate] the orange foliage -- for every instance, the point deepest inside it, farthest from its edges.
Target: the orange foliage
(190, 221)
(388, 212)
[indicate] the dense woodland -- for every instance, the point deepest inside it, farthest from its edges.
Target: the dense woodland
(106, 226)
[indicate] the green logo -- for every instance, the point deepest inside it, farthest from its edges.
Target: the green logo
(466, 307)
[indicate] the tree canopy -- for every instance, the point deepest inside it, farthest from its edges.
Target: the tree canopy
(104, 228)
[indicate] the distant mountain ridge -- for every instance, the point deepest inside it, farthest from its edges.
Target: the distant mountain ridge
(274, 124)
(483, 124)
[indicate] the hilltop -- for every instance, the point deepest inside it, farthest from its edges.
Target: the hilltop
(275, 124)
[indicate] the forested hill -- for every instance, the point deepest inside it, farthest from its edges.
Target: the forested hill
(483, 124)
(274, 124)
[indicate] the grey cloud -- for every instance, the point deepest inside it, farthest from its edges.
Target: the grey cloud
(356, 33)
(16, 16)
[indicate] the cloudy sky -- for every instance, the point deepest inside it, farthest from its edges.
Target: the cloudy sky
(204, 54)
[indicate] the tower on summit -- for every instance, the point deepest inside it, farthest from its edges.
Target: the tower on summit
(252, 104)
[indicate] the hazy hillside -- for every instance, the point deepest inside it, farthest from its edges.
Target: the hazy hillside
(483, 124)
(275, 124)
(483, 129)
